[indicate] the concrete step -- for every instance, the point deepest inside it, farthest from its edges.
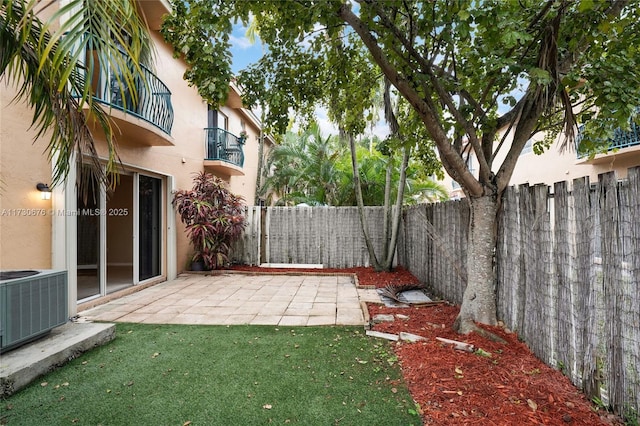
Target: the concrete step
(22, 365)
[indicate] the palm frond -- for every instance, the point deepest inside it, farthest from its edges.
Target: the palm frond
(45, 62)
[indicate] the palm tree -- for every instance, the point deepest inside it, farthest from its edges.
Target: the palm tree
(372, 166)
(316, 170)
(46, 60)
(304, 169)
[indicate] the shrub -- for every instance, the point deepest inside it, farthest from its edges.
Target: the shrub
(213, 217)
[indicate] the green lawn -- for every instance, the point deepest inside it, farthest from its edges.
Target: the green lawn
(216, 375)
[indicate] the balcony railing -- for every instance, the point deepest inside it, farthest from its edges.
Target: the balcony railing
(224, 146)
(621, 139)
(152, 102)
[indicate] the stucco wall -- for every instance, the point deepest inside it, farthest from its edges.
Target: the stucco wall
(25, 219)
(25, 241)
(555, 165)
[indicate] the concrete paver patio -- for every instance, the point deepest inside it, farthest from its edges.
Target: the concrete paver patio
(293, 300)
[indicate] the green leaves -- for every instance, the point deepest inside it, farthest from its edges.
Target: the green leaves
(199, 31)
(539, 76)
(313, 169)
(45, 60)
(461, 67)
(213, 216)
(585, 5)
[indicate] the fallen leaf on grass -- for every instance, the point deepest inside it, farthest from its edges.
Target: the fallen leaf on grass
(187, 423)
(155, 355)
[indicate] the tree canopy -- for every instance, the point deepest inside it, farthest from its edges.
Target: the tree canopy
(308, 167)
(480, 77)
(471, 67)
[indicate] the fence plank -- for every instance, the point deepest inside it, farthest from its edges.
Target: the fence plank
(246, 250)
(586, 291)
(611, 255)
(564, 223)
(509, 247)
(632, 338)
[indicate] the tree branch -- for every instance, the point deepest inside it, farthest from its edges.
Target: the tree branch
(452, 161)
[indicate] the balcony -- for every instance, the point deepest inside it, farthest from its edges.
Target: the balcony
(145, 118)
(223, 152)
(624, 143)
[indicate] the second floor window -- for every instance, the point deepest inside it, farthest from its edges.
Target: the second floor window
(217, 119)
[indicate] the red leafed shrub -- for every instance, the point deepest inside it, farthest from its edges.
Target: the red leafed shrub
(213, 217)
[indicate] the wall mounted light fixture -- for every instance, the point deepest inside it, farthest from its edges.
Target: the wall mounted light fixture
(44, 190)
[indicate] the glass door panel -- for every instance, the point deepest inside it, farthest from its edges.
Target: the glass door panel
(150, 220)
(118, 234)
(88, 241)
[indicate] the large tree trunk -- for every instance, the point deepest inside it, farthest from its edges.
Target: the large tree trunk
(478, 302)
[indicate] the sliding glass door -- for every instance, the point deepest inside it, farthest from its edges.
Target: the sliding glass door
(119, 234)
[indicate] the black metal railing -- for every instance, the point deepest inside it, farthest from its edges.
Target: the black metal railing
(621, 139)
(151, 102)
(223, 145)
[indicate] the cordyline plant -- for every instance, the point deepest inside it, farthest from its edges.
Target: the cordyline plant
(213, 217)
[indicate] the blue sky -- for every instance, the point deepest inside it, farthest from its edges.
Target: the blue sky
(243, 51)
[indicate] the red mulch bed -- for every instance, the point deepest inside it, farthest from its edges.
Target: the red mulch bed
(508, 387)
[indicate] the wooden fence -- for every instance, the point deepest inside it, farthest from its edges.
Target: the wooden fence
(330, 236)
(567, 263)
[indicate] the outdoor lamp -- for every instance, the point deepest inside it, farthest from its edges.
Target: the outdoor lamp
(44, 190)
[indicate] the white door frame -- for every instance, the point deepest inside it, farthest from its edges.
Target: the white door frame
(64, 231)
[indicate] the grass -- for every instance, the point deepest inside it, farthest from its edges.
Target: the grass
(217, 375)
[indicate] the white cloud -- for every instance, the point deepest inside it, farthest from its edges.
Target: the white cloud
(381, 130)
(242, 42)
